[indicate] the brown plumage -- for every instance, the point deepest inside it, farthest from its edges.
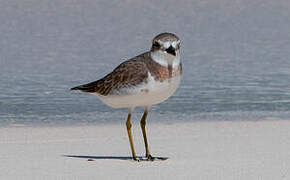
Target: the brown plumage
(128, 74)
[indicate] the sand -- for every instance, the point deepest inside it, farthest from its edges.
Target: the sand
(241, 150)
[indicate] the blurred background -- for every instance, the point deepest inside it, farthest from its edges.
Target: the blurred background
(235, 56)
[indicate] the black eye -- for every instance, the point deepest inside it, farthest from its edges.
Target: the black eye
(156, 44)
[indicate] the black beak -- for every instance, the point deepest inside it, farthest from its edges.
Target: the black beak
(171, 50)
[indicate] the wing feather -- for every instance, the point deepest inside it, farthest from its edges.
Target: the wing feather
(129, 73)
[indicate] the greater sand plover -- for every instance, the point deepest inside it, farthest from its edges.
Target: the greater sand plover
(147, 79)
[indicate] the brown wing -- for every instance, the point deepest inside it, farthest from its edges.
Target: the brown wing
(129, 73)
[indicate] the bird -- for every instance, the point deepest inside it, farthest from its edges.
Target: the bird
(142, 81)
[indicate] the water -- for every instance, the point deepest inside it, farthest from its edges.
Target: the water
(235, 56)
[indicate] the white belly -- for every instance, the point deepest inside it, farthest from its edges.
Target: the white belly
(144, 95)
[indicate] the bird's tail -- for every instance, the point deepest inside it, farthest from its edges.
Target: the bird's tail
(75, 88)
(90, 87)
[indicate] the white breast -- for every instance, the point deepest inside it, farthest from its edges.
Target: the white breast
(152, 92)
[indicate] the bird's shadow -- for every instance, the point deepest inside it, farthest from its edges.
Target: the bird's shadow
(127, 158)
(100, 157)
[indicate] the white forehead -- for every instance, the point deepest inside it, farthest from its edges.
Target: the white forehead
(167, 44)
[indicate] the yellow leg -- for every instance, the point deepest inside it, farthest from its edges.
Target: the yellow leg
(143, 124)
(129, 125)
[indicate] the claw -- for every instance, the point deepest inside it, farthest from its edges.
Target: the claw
(150, 158)
(136, 159)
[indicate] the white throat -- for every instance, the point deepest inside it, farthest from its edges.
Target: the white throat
(165, 59)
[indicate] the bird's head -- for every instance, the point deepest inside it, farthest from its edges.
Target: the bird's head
(165, 49)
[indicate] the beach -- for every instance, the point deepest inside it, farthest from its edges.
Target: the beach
(196, 150)
(228, 120)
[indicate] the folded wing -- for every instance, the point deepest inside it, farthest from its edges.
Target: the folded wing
(128, 74)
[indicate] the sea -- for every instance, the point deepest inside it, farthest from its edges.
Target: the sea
(235, 54)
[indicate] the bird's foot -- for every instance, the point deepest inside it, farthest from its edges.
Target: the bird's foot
(137, 159)
(149, 157)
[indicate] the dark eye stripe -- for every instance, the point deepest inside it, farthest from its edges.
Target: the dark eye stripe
(156, 44)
